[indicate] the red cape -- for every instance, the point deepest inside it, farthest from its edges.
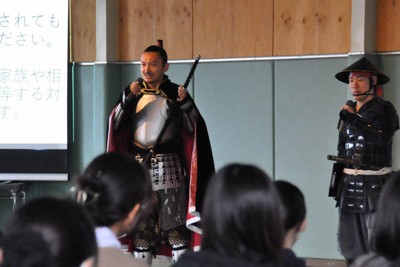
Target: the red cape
(199, 163)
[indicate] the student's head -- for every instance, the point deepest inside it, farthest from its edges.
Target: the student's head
(294, 210)
(111, 186)
(25, 248)
(63, 225)
(294, 205)
(386, 230)
(242, 214)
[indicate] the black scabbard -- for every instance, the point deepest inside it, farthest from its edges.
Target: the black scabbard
(336, 180)
(146, 160)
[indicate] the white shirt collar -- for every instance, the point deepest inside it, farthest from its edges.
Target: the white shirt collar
(106, 238)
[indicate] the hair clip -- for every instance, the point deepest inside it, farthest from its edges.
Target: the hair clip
(82, 196)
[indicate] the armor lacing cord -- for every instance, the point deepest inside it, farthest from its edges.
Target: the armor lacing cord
(384, 170)
(179, 247)
(153, 92)
(142, 250)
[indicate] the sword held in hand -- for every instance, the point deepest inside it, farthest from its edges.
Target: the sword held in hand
(146, 160)
(191, 72)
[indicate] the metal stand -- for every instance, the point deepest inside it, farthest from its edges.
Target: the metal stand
(13, 191)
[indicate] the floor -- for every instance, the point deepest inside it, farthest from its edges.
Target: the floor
(325, 263)
(166, 261)
(161, 261)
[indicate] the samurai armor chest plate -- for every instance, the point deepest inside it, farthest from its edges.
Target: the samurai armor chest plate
(150, 117)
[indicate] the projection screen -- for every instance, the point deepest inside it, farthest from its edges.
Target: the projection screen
(33, 90)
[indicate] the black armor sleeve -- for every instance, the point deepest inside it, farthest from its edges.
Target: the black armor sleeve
(378, 122)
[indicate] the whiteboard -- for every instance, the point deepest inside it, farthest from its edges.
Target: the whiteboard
(33, 89)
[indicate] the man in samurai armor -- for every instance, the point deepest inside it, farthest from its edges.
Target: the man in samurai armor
(158, 123)
(366, 129)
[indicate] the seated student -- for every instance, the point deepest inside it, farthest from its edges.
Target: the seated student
(25, 248)
(294, 219)
(241, 222)
(385, 237)
(115, 190)
(63, 225)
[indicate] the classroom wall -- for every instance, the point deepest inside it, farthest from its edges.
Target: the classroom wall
(231, 28)
(277, 113)
(217, 29)
(280, 115)
(308, 99)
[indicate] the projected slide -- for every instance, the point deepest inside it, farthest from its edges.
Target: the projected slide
(33, 89)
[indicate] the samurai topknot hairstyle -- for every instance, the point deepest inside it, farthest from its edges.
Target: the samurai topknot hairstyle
(159, 50)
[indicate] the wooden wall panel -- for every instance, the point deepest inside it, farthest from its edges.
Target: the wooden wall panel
(232, 28)
(136, 28)
(175, 27)
(388, 32)
(83, 30)
(143, 22)
(311, 27)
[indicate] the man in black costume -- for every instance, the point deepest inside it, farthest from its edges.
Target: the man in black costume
(178, 156)
(366, 130)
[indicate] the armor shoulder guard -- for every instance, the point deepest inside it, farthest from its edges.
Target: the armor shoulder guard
(170, 89)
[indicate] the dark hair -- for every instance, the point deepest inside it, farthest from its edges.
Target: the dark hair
(242, 215)
(64, 226)
(293, 202)
(386, 229)
(26, 248)
(159, 50)
(114, 184)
